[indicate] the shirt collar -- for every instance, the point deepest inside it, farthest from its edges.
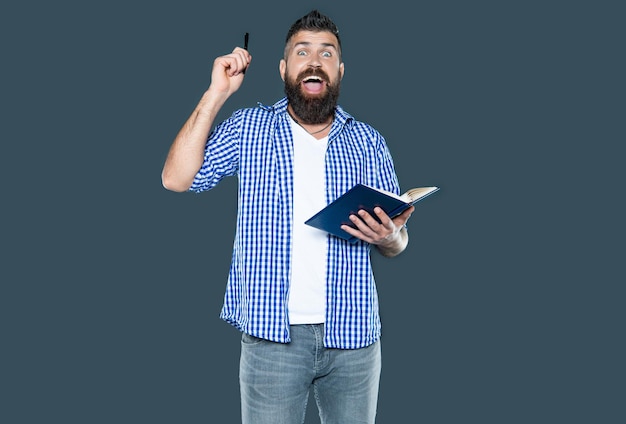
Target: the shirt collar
(280, 108)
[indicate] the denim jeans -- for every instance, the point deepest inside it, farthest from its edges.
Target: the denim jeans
(275, 379)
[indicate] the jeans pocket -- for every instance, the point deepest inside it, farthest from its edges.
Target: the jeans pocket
(249, 340)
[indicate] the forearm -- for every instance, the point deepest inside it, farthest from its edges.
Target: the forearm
(186, 154)
(396, 245)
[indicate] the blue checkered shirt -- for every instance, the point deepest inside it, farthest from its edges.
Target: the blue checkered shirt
(256, 145)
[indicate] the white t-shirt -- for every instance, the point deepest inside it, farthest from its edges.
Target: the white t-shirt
(307, 293)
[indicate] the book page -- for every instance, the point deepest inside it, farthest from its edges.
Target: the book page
(416, 193)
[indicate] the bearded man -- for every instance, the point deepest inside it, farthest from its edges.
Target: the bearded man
(305, 301)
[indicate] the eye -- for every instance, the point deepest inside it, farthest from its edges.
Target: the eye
(301, 53)
(327, 54)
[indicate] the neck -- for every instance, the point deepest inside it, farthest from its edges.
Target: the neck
(310, 128)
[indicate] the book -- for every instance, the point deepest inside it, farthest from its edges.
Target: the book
(361, 196)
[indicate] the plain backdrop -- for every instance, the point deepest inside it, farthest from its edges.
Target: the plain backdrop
(507, 306)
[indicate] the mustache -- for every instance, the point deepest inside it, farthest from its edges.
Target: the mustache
(313, 72)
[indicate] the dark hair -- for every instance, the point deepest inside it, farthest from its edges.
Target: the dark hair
(313, 21)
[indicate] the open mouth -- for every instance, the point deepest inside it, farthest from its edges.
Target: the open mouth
(313, 84)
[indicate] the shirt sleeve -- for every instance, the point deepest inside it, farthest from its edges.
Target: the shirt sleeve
(388, 180)
(221, 154)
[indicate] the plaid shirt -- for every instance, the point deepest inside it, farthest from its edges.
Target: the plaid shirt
(256, 145)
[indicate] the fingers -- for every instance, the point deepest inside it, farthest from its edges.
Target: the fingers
(368, 228)
(385, 220)
(371, 230)
(404, 216)
(234, 63)
(228, 72)
(371, 222)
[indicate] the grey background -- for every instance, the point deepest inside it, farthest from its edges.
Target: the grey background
(507, 307)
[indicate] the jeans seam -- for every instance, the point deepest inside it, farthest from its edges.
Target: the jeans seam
(318, 349)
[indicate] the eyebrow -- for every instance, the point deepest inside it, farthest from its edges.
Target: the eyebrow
(309, 44)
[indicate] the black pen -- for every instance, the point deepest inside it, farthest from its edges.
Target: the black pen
(245, 41)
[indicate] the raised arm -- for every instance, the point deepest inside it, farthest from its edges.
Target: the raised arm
(186, 154)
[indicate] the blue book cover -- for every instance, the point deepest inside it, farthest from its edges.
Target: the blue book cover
(333, 216)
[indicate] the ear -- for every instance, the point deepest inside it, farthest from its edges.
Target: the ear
(282, 66)
(341, 69)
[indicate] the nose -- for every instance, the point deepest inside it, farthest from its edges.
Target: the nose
(315, 63)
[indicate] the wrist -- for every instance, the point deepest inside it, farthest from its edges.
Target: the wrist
(211, 102)
(394, 244)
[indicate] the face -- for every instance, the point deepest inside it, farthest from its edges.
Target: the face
(312, 71)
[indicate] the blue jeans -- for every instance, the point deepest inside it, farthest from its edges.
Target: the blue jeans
(275, 379)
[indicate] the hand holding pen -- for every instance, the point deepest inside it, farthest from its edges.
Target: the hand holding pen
(228, 70)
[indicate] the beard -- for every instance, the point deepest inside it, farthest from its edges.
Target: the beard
(312, 110)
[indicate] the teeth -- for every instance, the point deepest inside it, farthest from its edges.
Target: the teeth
(310, 79)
